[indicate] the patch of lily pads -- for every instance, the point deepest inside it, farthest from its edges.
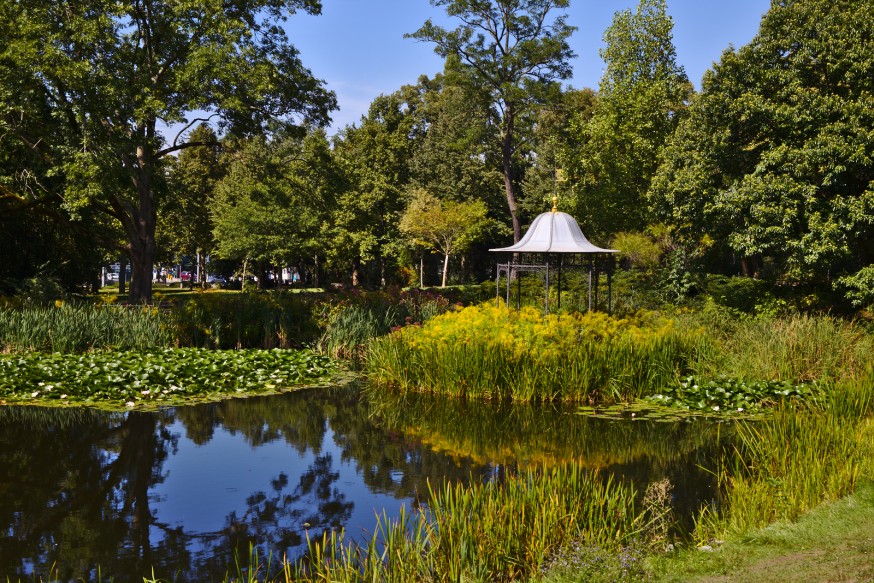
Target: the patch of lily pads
(721, 397)
(161, 377)
(732, 395)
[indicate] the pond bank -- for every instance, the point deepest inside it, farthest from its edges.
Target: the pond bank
(834, 542)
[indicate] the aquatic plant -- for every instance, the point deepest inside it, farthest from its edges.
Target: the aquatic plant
(246, 320)
(72, 327)
(349, 329)
(730, 395)
(491, 352)
(797, 347)
(798, 458)
(156, 377)
(497, 531)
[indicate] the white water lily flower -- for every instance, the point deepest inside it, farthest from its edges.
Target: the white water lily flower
(64, 396)
(146, 392)
(34, 394)
(129, 404)
(716, 407)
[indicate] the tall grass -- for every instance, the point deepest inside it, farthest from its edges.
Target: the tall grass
(801, 457)
(246, 320)
(795, 347)
(485, 532)
(77, 328)
(494, 353)
(350, 328)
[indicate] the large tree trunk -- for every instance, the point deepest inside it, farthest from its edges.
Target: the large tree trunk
(356, 267)
(139, 224)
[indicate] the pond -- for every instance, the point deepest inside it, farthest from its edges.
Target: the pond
(181, 489)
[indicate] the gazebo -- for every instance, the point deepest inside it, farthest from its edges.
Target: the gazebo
(556, 233)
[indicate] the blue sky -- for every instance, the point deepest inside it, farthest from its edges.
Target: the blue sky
(357, 46)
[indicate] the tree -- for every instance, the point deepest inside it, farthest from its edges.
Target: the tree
(111, 71)
(513, 50)
(454, 159)
(186, 228)
(554, 136)
(775, 159)
(642, 97)
(274, 203)
(375, 159)
(446, 226)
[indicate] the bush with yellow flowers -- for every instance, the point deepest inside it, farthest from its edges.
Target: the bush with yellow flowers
(489, 351)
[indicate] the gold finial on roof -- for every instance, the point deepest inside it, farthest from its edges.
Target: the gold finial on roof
(555, 204)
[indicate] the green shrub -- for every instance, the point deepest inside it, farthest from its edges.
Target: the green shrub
(491, 352)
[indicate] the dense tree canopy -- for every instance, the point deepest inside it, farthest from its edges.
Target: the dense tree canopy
(768, 171)
(642, 97)
(272, 206)
(518, 52)
(776, 158)
(108, 72)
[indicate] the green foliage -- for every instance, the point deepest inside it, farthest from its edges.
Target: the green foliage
(491, 352)
(860, 286)
(374, 158)
(642, 97)
(155, 377)
(105, 72)
(518, 523)
(185, 227)
(274, 201)
(774, 160)
(639, 249)
(738, 293)
(246, 320)
(351, 328)
(67, 327)
(796, 348)
(730, 395)
(445, 226)
(516, 53)
(795, 461)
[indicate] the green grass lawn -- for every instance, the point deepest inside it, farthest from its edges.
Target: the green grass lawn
(834, 542)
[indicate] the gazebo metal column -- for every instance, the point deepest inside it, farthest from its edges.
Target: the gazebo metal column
(594, 265)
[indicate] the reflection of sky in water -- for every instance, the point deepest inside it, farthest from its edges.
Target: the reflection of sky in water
(204, 484)
(76, 492)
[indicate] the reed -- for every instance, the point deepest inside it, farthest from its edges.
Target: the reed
(490, 352)
(350, 328)
(794, 461)
(484, 532)
(66, 327)
(246, 320)
(794, 348)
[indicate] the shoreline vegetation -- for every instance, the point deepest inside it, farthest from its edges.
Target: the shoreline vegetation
(559, 523)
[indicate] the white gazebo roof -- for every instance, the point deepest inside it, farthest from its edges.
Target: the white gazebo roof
(554, 232)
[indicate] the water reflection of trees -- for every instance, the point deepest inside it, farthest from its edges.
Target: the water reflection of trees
(515, 436)
(75, 490)
(77, 487)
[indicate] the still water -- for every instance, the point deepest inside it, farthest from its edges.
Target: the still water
(180, 490)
